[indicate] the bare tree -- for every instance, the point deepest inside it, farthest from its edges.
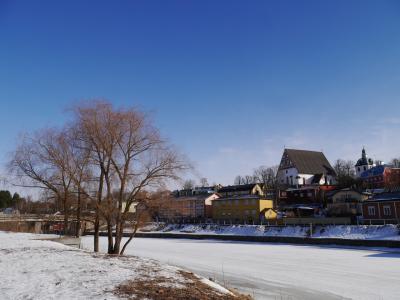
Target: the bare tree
(80, 171)
(344, 173)
(344, 167)
(203, 182)
(91, 126)
(248, 179)
(188, 184)
(238, 180)
(130, 156)
(42, 161)
(395, 162)
(266, 176)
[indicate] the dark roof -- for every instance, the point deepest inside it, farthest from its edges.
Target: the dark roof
(364, 162)
(375, 171)
(310, 162)
(386, 197)
(332, 193)
(237, 188)
(242, 197)
(201, 197)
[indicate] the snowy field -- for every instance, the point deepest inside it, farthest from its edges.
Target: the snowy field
(372, 232)
(31, 268)
(281, 271)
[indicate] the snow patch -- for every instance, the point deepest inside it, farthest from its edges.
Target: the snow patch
(33, 268)
(371, 232)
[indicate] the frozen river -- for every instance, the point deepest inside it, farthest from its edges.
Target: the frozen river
(280, 271)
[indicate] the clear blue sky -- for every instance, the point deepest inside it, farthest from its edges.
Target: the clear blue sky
(229, 82)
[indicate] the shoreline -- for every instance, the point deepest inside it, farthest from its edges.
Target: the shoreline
(268, 239)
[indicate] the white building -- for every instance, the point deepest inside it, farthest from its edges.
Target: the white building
(363, 164)
(303, 167)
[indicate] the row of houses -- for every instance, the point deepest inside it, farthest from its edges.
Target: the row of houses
(306, 188)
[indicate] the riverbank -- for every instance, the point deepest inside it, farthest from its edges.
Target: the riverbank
(351, 232)
(343, 235)
(35, 268)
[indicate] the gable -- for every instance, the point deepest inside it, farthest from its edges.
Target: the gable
(286, 163)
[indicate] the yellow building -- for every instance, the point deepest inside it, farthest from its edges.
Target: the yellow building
(242, 204)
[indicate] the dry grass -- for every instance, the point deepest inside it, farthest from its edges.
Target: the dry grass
(163, 288)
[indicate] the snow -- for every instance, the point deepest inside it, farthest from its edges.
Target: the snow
(373, 232)
(281, 271)
(215, 286)
(34, 268)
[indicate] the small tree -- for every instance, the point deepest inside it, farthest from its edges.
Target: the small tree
(238, 180)
(5, 199)
(344, 173)
(395, 162)
(188, 184)
(266, 176)
(203, 182)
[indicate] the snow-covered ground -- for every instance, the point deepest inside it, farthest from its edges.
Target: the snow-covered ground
(280, 271)
(372, 232)
(33, 268)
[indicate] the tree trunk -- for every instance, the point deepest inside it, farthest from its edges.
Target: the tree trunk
(65, 215)
(96, 233)
(129, 240)
(110, 237)
(118, 236)
(97, 217)
(78, 215)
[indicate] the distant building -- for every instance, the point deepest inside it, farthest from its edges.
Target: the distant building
(382, 208)
(346, 202)
(381, 176)
(243, 204)
(303, 167)
(314, 195)
(363, 164)
(240, 190)
(183, 206)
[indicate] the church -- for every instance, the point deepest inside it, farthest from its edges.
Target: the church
(363, 164)
(304, 167)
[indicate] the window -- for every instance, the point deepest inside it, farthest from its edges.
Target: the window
(365, 168)
(371, 210)
(358, 169)
(386, 210)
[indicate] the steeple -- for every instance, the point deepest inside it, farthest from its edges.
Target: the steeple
(363, 154)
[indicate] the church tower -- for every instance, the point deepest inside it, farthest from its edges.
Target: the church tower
(363, 164)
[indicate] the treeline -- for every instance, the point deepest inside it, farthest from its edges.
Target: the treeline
(8, 200)
(263, 174)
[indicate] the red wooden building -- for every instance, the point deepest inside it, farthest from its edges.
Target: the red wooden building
(382, 208)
